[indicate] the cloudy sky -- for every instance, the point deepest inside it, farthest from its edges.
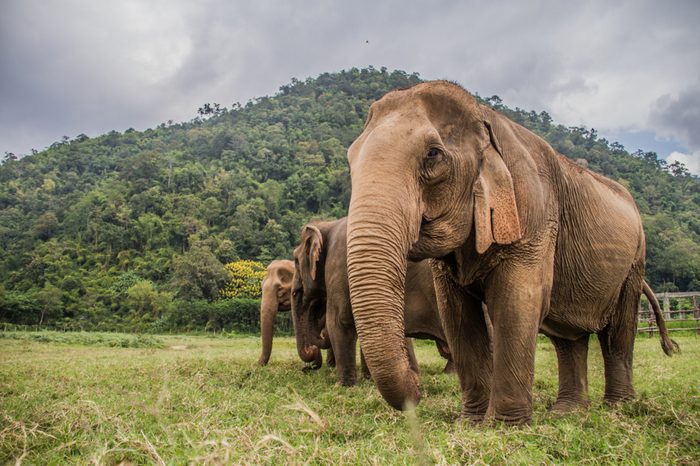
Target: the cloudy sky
(630, 69)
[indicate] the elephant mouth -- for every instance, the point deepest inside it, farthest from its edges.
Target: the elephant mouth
(308, 353)
(434, 240)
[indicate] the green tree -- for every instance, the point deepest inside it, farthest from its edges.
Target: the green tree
(46, 225)
(94, 216)
(198, 274)
(144, 299)
(50, 300)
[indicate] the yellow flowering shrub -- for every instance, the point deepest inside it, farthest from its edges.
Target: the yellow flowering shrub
(245, 278)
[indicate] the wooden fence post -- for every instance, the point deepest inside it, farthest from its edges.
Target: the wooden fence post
(667, 307)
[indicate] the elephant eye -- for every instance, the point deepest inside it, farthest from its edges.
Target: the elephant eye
(433, 153)
(433, 169)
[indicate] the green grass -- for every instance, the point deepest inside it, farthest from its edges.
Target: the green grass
(87, 339)
(187, 399)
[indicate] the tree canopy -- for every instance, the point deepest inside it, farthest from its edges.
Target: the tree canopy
(85, 221)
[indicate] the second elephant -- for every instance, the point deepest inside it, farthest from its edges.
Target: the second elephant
(276, 288)
(320, 295)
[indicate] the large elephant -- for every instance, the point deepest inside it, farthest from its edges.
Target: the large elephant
(546, 244)
(320, 296)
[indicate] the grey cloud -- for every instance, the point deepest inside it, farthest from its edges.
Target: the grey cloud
(679, 116)
(94, 66)
(64, 70)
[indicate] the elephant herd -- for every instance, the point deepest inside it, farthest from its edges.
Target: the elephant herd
(315, 288)
(467, 229)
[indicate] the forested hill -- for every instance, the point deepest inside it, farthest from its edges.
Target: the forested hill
(89, 216)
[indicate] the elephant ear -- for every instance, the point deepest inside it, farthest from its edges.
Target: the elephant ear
(311, 244)
(495, 210)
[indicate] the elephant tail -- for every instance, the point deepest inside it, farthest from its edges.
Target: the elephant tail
(667, 344)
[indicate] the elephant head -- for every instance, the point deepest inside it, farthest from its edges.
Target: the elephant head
(428, 177)
(309, 296)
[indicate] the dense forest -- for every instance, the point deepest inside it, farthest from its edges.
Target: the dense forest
(124, 226)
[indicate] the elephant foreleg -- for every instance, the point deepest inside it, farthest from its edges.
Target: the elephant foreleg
(344, 343)
(517, 297)
(412, 360)
(572, 359)
(330, 357)
(468, 340)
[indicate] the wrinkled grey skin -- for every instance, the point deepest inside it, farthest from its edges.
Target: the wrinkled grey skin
(546, 244)
(320, 295)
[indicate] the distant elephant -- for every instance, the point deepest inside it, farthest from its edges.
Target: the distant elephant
(276, 291)
(320, 295)
(546, 244)
(276, 288)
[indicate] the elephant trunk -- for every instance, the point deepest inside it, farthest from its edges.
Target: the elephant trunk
(268, 312)
(307, 345)
(379, 236)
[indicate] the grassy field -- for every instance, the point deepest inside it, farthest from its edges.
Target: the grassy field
(110, 399)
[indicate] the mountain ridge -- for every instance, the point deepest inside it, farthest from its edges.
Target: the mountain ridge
(239, 182)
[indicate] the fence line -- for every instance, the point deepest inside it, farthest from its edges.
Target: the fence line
(677, 308)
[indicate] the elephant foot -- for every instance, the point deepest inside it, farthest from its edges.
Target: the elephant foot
(618, 392)
(508, 419)
(513, 420)
(516, 418)
(614, 399)
(348, 379)
(366, 374)
(475, 409)
(471, 418)
(347, 382)
(262, 362)
(567, 405)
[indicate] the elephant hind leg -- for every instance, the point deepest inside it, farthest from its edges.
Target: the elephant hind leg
(572, 359)
(617, 358)
(444, 351)
(617, 342)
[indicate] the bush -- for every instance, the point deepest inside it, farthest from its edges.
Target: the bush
(245, 279)
(85, 339)
(19, 308)
(239, 315)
